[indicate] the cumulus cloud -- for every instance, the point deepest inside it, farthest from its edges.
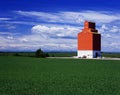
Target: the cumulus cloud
(48, 37)
(56, 38)
(58, 30)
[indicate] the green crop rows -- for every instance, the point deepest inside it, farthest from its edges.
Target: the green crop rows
(35, 76)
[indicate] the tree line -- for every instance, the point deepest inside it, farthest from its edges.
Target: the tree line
(39, 53)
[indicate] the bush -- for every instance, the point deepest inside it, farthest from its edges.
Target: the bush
(16, 54)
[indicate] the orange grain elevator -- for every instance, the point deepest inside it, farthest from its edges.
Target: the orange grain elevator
(89, 41)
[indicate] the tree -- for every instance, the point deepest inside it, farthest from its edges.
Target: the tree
(16, 54)
(46, 55)
(39, 53)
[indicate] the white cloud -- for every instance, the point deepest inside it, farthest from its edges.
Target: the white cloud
(97, 16)
(10, 37)
(56, 31)
(5, 25)
(110, 37)
(41, 15)
(9, 33)
(72, 17)
(4, 19)
(59, 30)
(21, 22)
(55, 38)
(115, 29)
(48, 37)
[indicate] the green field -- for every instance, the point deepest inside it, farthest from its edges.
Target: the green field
(45, 76)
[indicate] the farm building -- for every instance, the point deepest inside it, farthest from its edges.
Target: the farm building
(89, 41)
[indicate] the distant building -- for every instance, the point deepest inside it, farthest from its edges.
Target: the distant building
(89, 41)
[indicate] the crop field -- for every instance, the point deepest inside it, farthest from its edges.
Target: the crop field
(45, 76)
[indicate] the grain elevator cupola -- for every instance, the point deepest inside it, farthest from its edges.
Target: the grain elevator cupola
(89, 41)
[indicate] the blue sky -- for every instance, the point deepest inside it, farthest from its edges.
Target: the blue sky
(53, 25)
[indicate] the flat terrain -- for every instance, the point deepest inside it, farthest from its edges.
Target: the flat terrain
(53, 76)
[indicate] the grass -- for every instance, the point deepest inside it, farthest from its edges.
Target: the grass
(113, 55)
(62, 54)
(37, 76)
